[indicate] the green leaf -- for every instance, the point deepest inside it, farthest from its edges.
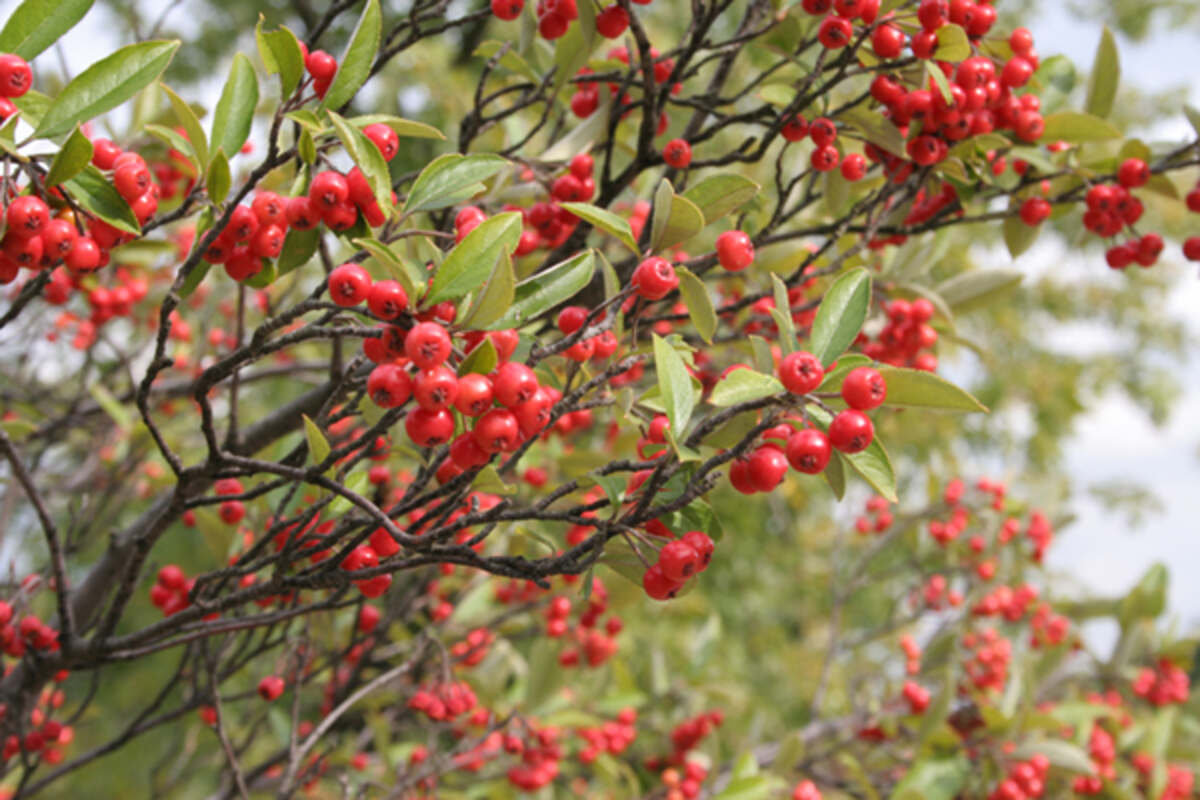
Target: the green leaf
(105, 85)
(298, 248)
(450, 179)
(743, 386)
(281, 55)
(235, 110)
(718, 195)
(354, 67)
(1060, 754)
(953, 44)
(675, 385)
(496, 297)
(265, 276)
(397, 268)
(173, 138)
(401, 126)
(489, 480)
(306, 147)
(70, 160)
(545, 290)
(1019, 237)
(318, 445)
(219, 179)
(835, 475)
(571, 51)
(782, 314)
(1148, 598)
(977, 287)
(605, 221)
(699, 303)
(916, 388)
(511, 60)
(1076, 127)
(876, 128)
(933, 779)
(96, 195)
(192, 128)
(37, 24)
(1106, 74)
(111, 405)
(471, 261)
(481, 360)
(676, 219)
(367, 157)
(841, 315)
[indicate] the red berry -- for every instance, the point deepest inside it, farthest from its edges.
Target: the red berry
(851, 431)
(864, 388)
(808, 451)
(435, 388)
(766, 468)
(1191, 248)
(429, 428)
(85, 255)
(384, 138)
(835, 32)
(349, 284)
(514, 384)
(497, 431)
(1133, 173)
(27, 216)
(854, 167)
(1035, 211)
(658, 586)
(321, 66)
(677, 153)
(474, 395)
(328, 190)
(427, 345)
(678, 561)
(15, 75)
(735, 251)
(270, 687)
(888, 41)
(702, 544)
(800, 372)
(612, 22)
(654, 278)
(270, 209)
(795, 129)
(825, 159)
(389, 386)
(387, 299)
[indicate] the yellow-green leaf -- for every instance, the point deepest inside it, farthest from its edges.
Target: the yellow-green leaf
(71, 158)
(354, 67)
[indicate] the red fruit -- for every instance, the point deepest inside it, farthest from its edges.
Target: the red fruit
(466, 453)
(242, 264)
(349, 284)
(553, 26)
(808, 451)
(321, 66)
(678, 561)
(435, 388)
(825, 159)
(15, 75)
(677, 153)
(800, 372)
(429, 428)
(1133, 173)
(270, 209)
(301, 214)
(1035, 211)
(864, 389)
(104, 153)
(888, 41)
(132, 180)
(571, 319)
(24, 252)
(835, 32)
(1016, 73)
(795, 129)
(1191, 248)
(1193, 200)
(933, 14)
(389, 386)
(612, 22)
(58, 237)
(387, 299)
(658, 586)
(474, 395)
(268, 242)
(384, 138)
(368, 618)
(1021, 41)
(270, 687)
(328, 190)
(583, 164)
(702, 544)
(851, 431)
(823, 131)
(766, 468)
(27, 216)
(735, 251)
(242, 224)
(497, 431)
(172, 577)
(854, 167)
(507, 9)
(427, 345)
(513, 384)
(654, 278)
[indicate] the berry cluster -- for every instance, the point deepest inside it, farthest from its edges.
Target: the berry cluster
(1164, 685)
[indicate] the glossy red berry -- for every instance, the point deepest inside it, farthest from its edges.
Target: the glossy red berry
(513, 384)
(387, 299)
(795, 129)
(735, 251)
(612, 22)
(825, 159)
(475, 395)
(864, 388)
(854, 167)
(132, 180)
(270, 687)
(1133, 173)
(888, 41)
(328, 190)
(85, 255)
(677, 153)
(800, 372)
(429, 428)
(678, 561)
(808, 451)
(835, 32)
(654, 278)
(27, 216)
(1035, 211)
(658, 586)
(435, 388)
(384, 138)
(497, 431)
(427, 345)
(15, 75)
(851, 431)
(349, 284)
(389, 386)
(766, 468)
(321, 66)
(1191, 248)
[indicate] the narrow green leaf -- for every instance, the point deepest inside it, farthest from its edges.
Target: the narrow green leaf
(699, 303)
(1019, 237)
(605, 221)
(403, 127)
(782, 313)
(281, 55)
(354, 67)
(719, 195)
(675, 385)
(511, 60)
(481, 360)
(192, 128)
(306, 147)
(95, 193)
(298, 248)
(234, 113)
(545, 290)
(396, 267)
(933, 779)
(571, 51)
(367, 157)
(36, 24)
(953, 44)
(875, 128)
(916, 388)
(1106, 74)
(675, 219)
(489, 480)
(173, 138)
(1148, 598)
(318, 445)
(470, 262)
(841, 314)
(977, 287)
(450, 179)
(194, 278)
(1060, 754)
(70, 160)
(1076, 127)
(111, 405)
(835, 475)
(265, 276)
(105, 85)
(496, 296)
(219, 180)
(743, 386)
